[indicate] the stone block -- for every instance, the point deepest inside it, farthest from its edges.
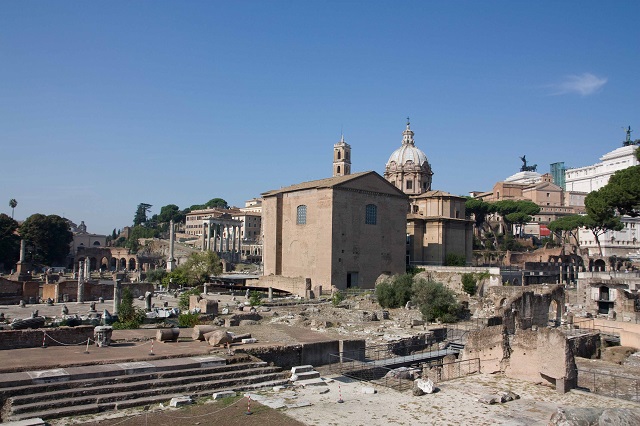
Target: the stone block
(223, 394)
(301, 369)
(179, 401)
(250, 340)
(368, 390)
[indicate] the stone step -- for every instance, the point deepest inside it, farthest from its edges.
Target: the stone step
(250, 383)
(306, 375)
(301, 369)
(97, 380)
(311, 382)
(101, 394)
(11, 380)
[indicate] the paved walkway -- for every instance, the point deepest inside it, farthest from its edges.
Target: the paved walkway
(128, 346)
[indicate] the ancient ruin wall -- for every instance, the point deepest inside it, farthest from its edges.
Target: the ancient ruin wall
(19, 339)
(295, 285)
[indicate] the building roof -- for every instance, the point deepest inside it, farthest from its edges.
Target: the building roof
(327, 183)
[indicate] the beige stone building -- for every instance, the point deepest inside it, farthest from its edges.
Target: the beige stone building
(437, 226)
(339, 232)
(436, 222)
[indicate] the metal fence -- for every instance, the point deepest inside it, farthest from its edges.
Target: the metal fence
(437, 371)
(368, 372)
(611, 385)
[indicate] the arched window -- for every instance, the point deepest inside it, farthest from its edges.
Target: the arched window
(339, 155)
(371, 214)
(338, 169)
(301, 215)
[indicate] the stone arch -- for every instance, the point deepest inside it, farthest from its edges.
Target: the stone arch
(123, 264)
(113, 264)
(132, 264)
(599, 265)
(93, 263)
(104, 263)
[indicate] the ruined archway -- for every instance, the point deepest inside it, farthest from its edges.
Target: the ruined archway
(599, 265)
(123, 264)
(603, 300)
(132, 264)
(104, 264)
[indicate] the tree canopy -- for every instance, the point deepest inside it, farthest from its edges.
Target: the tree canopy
(141, 214)
(601, 216)
(9, 242)
(49, 236)
(622, 192)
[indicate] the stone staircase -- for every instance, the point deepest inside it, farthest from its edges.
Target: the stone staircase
(77, 391)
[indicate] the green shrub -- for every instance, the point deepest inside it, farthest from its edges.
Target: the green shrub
(255, 298)
(469, 284)
(188, 319)
(394, 292)
(454, 259)
(128, 315)
(337, 297)
(435, 301)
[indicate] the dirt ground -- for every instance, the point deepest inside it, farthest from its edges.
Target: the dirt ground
(230, 411)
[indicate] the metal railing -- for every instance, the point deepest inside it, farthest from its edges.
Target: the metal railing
(368, 372)
(439, 371)
(612, 385)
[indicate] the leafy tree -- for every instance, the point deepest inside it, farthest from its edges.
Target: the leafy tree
(469, 284)
(197, 207)
(394, 292)
(601, 216)
(255, 298)
(50, 237)
(622, 191)
(567, 226)
(171, 212)
(13, 204)
(156, 275)
(435, 301)
(141, 214)
(114, 236)
(201, 265)
(515, 212)
(217, 202)
(9, 241)
(176, 277)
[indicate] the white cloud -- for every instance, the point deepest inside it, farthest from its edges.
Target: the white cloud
(584, 84)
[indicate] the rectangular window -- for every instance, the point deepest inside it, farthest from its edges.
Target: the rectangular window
(371, 214)
(409, 184)
(301, 215)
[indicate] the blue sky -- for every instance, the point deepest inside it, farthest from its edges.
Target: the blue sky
(104, 105)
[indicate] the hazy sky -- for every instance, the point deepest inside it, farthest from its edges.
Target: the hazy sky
(104, 105)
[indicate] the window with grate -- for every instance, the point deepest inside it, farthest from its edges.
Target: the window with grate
(371, 214)
(301, 216)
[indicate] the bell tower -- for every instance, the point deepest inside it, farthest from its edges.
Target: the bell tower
(341, 158)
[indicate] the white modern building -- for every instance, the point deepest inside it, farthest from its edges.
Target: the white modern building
(591, 178)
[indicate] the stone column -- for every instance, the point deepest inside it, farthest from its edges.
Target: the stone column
(226, 238)
(204, 235)
(215, 238)
(233, 243)
(80, 298)
(116, 296)
(171, 261)
(23, 250)
(209, 236)
(87, 269)
(270, 294)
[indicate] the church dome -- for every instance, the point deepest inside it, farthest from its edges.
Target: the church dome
(408, 167)
(408, 152)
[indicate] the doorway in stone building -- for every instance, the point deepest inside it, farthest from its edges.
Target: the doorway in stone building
(352, 279)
